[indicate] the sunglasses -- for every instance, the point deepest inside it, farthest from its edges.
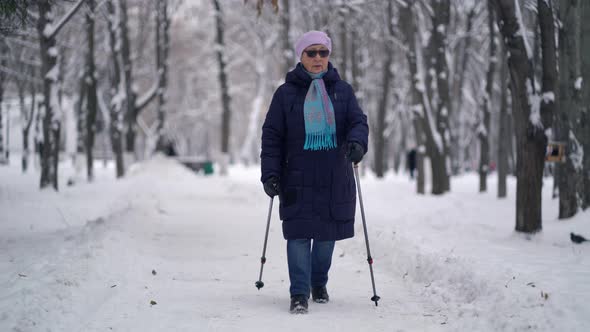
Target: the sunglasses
(313, 53)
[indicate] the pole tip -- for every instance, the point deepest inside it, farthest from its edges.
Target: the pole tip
(259, 284)
(376, 300)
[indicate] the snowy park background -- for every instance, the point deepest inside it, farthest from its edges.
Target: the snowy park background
(102, 229)
(82, 259)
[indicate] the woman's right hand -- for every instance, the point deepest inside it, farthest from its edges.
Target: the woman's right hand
(355, 152)
(271, 186)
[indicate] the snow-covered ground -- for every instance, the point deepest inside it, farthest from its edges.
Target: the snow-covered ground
(93, 256)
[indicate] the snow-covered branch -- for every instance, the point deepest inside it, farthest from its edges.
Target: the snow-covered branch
(51, 31)
(145, 99)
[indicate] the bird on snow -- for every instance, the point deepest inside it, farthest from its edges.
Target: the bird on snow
(577, 238)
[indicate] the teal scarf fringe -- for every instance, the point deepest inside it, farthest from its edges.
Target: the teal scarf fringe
(320, 121)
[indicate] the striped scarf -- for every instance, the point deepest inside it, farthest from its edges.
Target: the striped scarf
(318, 112)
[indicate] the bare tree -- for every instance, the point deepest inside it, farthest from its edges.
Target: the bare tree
(585, 86)
(130, 94)
(530, 118)
(3, 61)
(223, 81)
(379, 139)
(569, 173)
(343, 54)
(288, 54)
(47, 32)
(549, 51)
(51, 126)
(117, 91)
(162, 47)
(440, 23)
(460, 70)
(263, 39)
(23, 62)
(429, 125)
(90, 76)
(421, 117)
(134, 104)
(504, 134)
(429, 74)
(484, 128)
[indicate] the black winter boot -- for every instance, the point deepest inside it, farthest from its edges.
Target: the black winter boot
(298, 304)
(320, 294)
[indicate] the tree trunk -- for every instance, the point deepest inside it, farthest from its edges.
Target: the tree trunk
(548, 46)
(568, 114)
(442, 10)
(504, 135)
(584, 125)
(27, 117)
(288, 54)
(223, 81)
(38, 135)
(420, 104)
(116, 105)
(130, 94)
(530, 135)
(343, 22)
(511, 137)
(484, 138)
(355, 71)
(420, 152)
(3, 57)
(90, 82)
(51, 124)
(162, 45)
(7, 152)
(549, 61)
(455, 148)
(80, 108)
(50, 73)
(379, 135)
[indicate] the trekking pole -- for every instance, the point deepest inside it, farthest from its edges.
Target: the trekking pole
(259, 284)
(375, 298)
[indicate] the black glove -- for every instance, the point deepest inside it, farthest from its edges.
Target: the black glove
(355, 152)
(271, 186)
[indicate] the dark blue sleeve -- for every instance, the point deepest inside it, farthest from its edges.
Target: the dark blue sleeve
(357, 122)
(273, 131)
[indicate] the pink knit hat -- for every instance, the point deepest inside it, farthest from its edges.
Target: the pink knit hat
(312, 38)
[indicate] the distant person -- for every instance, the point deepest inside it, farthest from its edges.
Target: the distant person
(411, 160)
(167, 147)
(170, 150)
(313, 132)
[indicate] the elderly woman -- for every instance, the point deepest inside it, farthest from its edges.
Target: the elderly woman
(314, 130)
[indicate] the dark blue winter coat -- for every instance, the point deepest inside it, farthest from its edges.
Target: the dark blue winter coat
(317, 188)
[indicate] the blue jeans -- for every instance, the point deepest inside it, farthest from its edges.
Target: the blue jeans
(308, 268)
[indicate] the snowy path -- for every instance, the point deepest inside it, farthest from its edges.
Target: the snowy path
(85, 258)
(207, 263)
(203, 238)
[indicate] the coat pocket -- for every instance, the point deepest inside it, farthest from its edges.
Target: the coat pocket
(291, 194)
(343, 200)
